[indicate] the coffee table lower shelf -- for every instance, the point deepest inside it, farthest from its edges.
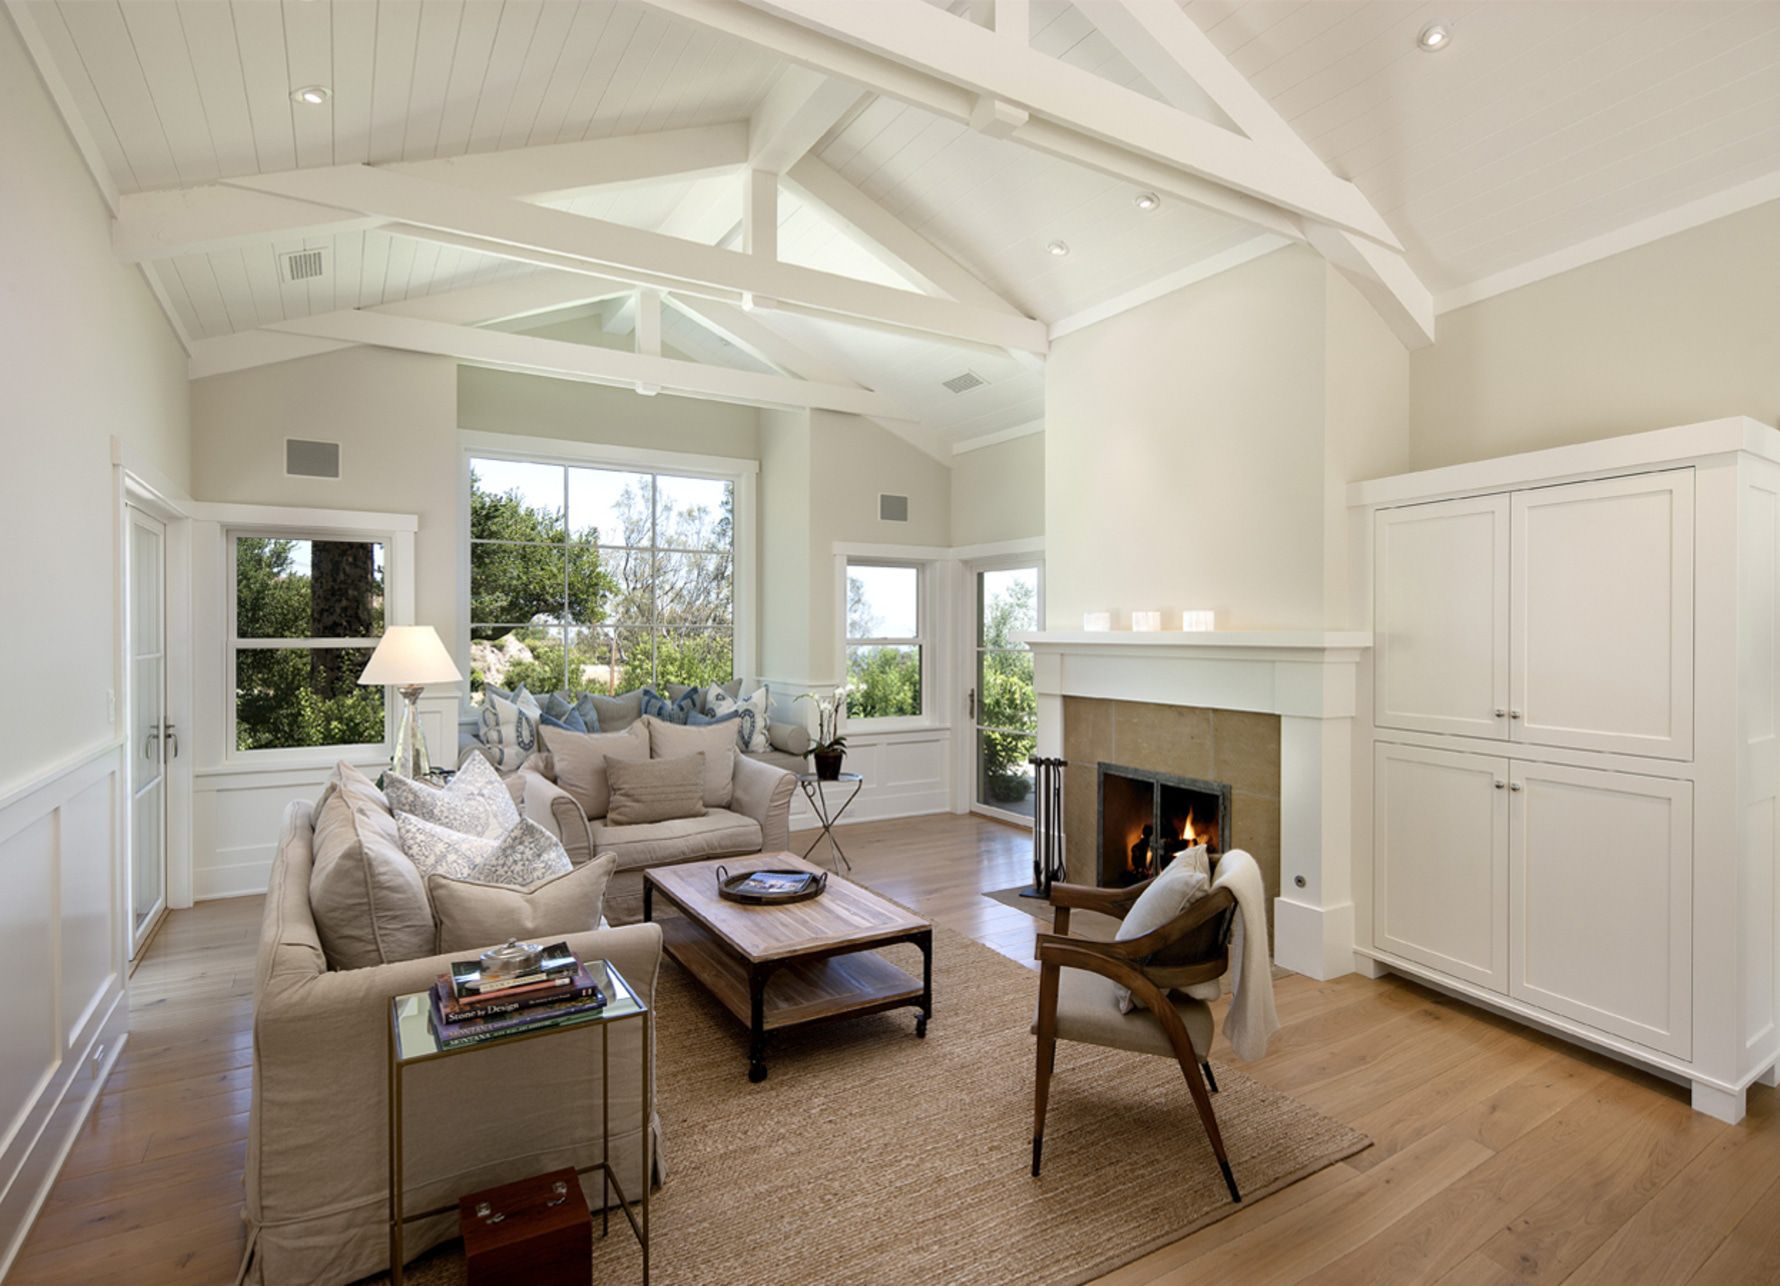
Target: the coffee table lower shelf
(803, 989)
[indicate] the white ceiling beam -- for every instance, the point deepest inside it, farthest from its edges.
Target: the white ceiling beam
(1174, 55)
(212, 216)
(561, 359)
(554, 238)
(1013, 20)
(936, 44)
(760, 214)
(648, 326)
(797, 111)
(243, 350)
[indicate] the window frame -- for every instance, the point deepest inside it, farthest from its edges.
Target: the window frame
(234, 644)
(922, 641)
(740, 472)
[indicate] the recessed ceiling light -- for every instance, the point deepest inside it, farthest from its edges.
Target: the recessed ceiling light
(312, 95)
(1146, 200)
(1058, 248)
(1434, 37)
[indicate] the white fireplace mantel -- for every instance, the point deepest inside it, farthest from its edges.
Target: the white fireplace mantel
(1310, 679)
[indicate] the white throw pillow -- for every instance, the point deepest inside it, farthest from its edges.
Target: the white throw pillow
(510, 729)
(471, 916)
(524, 855)
(476, 802)
(751, 734)
(1183, 882)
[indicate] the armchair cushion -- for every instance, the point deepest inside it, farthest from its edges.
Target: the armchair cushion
(471, 915)
(553, 808)
(580, 762)
(719, 833)
(1088, 1011)
(717, 741)
(661, 790)
(1182, 882)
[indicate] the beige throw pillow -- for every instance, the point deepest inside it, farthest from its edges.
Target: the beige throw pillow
(1183, 882)
(658, 790)
(715, 740)
(472, 916)
(368, 899)
(580, 761)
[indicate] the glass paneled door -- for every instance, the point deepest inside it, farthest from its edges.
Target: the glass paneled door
(151, 736)
(1003, 706)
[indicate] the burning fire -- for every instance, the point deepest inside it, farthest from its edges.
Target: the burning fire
(1202, 833)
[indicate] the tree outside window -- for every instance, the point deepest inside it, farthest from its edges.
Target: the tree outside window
(884, 641)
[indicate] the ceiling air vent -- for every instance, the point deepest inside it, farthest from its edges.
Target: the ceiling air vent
(304, 265)
(965, 382)
(892, 508)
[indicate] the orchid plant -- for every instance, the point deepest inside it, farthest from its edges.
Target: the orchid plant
(830, 710)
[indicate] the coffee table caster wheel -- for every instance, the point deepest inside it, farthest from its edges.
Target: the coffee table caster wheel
(921, 1028)
(756, 1072)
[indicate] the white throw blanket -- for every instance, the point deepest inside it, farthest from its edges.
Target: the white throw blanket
(1252, 1019)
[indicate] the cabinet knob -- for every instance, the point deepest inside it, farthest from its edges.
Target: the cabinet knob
(1500, 714)
(1515, 786)
(1514, 714)
(1501, 785)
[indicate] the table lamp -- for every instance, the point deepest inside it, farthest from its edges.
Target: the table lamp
(408, 657)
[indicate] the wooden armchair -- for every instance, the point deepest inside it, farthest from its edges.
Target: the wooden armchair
(1078, 978)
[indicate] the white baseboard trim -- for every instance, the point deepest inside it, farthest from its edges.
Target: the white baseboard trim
(243, 876)
(1315, 941)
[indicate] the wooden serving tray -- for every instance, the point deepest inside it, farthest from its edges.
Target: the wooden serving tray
(730, 887)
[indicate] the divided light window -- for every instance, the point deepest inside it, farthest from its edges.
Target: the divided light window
(308, 613)
(599, 580)
(886, 632)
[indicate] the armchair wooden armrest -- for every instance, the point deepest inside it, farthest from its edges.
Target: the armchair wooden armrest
(1089, 897)
(1059, 948)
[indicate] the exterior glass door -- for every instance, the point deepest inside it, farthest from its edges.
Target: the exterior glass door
(1003, 706)
(150, 733)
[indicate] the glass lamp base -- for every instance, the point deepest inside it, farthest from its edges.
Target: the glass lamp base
(410, 757)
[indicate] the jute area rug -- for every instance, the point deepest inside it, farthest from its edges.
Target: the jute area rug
(869, 1156)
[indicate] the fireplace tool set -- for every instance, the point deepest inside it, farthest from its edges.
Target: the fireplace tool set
(1047, 826)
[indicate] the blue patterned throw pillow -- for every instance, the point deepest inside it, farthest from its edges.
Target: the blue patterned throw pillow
(675, 711)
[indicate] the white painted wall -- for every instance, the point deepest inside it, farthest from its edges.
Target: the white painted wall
(89, 356)
(1674, 332)
(998, 492)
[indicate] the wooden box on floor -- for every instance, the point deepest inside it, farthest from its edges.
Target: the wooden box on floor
(536, 1231)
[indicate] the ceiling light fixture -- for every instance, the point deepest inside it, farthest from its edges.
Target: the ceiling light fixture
(1058, 248)
(1434, 37)
(312, 95)
(1146, 200)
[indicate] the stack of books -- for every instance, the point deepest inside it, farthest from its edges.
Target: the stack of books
(468, 1008)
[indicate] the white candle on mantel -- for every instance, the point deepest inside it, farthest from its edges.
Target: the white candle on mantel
(1146, 622)
(1198, 620)
(1097, 622)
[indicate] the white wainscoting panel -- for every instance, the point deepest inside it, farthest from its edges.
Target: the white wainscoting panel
(235, 817)
(62, 954)
(906, 774)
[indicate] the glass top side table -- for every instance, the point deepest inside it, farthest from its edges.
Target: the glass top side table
(412, 1041)
(811, 785)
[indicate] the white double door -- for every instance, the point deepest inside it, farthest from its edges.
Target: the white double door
(1555, 616)
(1566, 888)
(151, 737)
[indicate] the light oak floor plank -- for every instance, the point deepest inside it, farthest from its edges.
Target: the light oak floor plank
(1502, 1155)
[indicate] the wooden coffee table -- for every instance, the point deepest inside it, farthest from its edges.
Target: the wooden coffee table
(817, 955)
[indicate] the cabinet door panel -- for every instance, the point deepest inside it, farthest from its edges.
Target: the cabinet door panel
(1601, 929)
(1440, 617)
(1603, 615)
(1440, 870)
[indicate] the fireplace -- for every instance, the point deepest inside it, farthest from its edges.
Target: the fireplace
(1147, 817)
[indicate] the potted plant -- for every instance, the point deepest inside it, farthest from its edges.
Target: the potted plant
(829, 747)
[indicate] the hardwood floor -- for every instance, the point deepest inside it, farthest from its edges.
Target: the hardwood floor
(1500, 1155)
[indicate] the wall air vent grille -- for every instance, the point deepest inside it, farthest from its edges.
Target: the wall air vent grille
(892, 508)
(306, 459)
(304, 265)
(965, 382)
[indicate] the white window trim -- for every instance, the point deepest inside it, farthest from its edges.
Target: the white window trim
(398, 609)
(740, 471)
(925, 579)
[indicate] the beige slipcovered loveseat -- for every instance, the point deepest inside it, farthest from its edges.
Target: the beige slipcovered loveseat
(317, 1174)
(747, 801)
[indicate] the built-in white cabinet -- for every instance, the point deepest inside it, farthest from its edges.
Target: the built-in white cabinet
(1573, 745)
(1600, 870)
(1440, 883)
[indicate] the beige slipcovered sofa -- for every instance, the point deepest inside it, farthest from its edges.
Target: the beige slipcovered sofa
(747, 801)
(316, 1175)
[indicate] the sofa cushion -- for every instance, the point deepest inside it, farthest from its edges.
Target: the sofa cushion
(788, 738)
(752, 711)
(368, 899)
(670, 709)
(472, 915)
(717, 741)
(580, 761)
(509, 728)
(526, 854)
(615, 714)
(475, 802)
(656, 790)
(719, 833)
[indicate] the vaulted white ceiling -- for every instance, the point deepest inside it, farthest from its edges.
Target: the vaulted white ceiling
(1542, 126)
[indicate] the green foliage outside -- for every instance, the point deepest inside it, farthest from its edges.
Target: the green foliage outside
(883, 682)
(1005, 694)
(288, 697)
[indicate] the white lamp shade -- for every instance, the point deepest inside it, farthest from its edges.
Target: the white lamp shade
(410, 656)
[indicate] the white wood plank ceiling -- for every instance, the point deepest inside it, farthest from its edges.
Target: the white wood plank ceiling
(1545, 123)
